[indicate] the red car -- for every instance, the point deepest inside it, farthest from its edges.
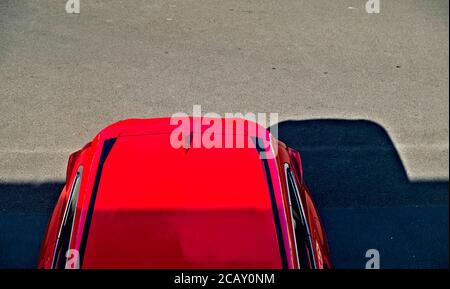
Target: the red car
(133, 200)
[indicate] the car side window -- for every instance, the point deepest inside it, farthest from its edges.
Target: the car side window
(65, 231)
(300, 226)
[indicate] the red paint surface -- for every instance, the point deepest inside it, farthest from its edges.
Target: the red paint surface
(160, 207)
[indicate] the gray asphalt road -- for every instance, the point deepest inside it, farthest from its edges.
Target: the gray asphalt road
(64, 77)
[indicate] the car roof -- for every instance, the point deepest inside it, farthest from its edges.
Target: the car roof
(190, 207)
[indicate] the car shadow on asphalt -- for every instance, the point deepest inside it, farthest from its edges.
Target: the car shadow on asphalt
(25, 209)
(365, 198)
(358, 182)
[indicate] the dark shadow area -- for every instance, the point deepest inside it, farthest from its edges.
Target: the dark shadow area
(365, 198)
(25, 209)
(354, 163)
(29, 198)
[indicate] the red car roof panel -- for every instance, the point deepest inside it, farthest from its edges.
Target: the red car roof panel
(160, 207)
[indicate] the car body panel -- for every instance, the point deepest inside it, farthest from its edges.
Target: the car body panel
(153, 206)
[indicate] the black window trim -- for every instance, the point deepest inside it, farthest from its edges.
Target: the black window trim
(75, 186)
(291, 178)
